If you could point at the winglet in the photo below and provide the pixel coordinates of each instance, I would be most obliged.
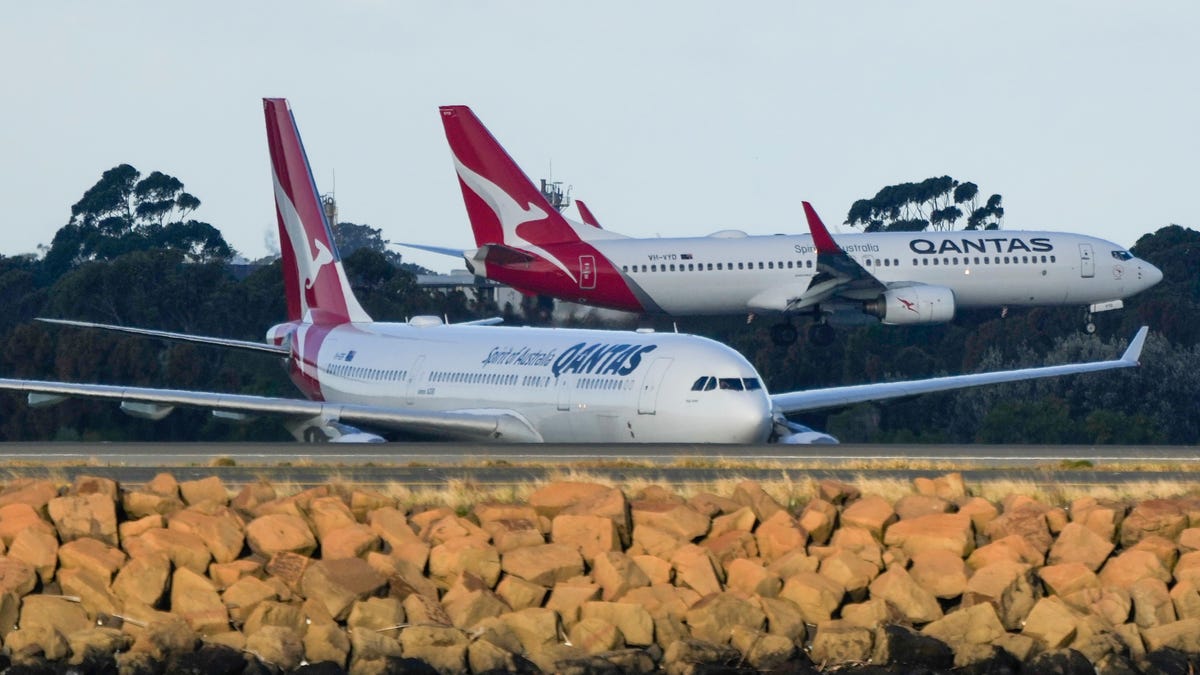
(1134, 351)
(820, 234)
(586, 214)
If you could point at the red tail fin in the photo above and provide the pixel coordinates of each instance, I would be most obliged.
(314, 279)
(504, 206)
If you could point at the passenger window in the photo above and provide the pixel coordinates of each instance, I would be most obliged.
(718, 265)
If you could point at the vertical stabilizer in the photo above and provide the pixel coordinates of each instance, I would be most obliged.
(504, 206)
(316, 284)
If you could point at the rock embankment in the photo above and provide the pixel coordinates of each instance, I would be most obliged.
(582, 577)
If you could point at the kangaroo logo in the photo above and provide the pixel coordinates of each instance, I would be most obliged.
(315, 263)
(510, 214)
(908, 304)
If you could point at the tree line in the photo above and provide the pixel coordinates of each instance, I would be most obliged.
(130, 254)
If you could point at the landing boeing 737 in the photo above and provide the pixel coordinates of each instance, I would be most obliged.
(901, 278)
(372, 381)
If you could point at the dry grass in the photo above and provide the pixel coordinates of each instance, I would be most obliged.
(462, 494)
(789, 486)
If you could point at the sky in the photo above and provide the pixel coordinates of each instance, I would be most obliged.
(671, 118)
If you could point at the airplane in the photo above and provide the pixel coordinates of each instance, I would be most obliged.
(369, 381)
(900, 278)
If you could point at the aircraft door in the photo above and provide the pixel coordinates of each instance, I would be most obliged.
(564, 392)
(1087, 261)
(648, 397)
(415, 373)
(587, 272)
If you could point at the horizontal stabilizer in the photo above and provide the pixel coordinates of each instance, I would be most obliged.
(229, 343)
(501, 255)
(440, 250)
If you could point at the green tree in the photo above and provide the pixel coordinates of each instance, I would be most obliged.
(935, 203)
(124, 212)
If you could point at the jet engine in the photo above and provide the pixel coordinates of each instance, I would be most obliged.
(919, 303)
(315, 431)
(792, 433)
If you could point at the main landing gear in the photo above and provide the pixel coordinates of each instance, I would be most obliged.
(820, 334)
(783, 334)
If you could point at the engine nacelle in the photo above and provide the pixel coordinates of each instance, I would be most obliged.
(788, 432)
(320, 431)
(919, 303)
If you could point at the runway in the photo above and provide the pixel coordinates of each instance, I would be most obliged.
(435, 464)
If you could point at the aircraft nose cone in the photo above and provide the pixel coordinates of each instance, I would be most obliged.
(1151, 274)
(747, 421)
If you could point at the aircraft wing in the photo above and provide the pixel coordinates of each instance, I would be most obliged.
(468, 424)
(815, 399)
(837, 273)
(246, 345)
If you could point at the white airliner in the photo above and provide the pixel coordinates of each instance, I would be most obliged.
(898, 277)
(369, 381)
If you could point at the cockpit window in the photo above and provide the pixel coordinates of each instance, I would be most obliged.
(709, 383)
(1122, 255)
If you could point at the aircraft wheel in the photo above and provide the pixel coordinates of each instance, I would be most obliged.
(783, 334)
(315, 435)
(1090, 327)
(821, 334)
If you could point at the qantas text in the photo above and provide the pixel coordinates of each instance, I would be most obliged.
(981, 245)
(600, 359)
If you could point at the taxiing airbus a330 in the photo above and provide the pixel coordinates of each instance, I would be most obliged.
(368, 381)
(899, 277)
